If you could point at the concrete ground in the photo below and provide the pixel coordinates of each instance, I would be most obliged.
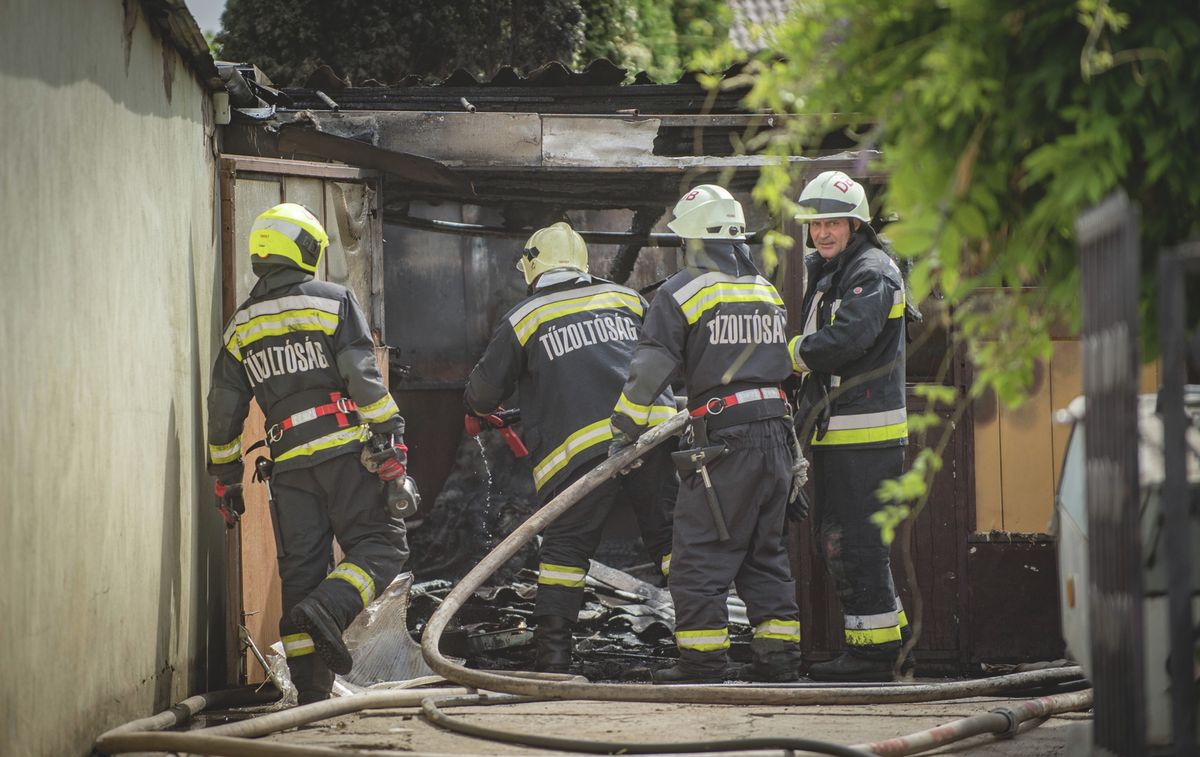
(620, 721)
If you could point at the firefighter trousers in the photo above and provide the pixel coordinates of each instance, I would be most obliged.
(751, 479)
(845, 482)
(310, 507)
(569, 543)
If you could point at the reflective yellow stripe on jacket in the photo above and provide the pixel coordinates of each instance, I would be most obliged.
(281, 316)
(225, 453)
(580, 441)
(756, 289)
(643, 415)
(329, 441)
(379, 411)
(527, 320)
(865, 428)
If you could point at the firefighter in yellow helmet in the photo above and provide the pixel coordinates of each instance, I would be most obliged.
(852, 408)
(565, 349)
(302, 349)
(719, 325)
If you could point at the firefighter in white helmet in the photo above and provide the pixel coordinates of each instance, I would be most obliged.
(302, 349)
(719, 325)
(565, 349)
(852, 408)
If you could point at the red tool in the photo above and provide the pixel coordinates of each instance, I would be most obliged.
(501, 420)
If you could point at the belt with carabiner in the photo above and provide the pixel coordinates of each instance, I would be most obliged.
(717, 405)
(339, 406)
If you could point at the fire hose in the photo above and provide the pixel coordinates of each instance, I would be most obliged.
(542, 688)
(231, 739)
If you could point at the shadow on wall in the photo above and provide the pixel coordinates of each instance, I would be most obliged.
(170, 572)
(87, 38)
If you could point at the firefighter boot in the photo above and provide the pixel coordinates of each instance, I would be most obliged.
(850, 667)
(695, 667)
(774, 661)
(312, 618)
(553, 641)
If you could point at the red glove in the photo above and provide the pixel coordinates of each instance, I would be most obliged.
(230, 503)
(396, 465)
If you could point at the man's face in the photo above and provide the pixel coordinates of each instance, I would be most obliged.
(830, 235)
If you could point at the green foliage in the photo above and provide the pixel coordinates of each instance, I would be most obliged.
(888, 520)
(998, 123)
(389, 39)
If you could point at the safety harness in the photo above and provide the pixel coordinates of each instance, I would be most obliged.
(338, 406)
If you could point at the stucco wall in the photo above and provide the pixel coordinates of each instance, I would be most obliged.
(109, 552)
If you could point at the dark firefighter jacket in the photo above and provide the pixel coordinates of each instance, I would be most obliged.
(296, 344)
(567, 348)
(718, 325)
(854, 344)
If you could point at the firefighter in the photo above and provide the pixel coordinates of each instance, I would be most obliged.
(301, 347)
(566, 348)
(719, 325)
(851, 355)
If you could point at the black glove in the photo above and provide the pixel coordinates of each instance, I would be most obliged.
(230, 503)
(620, 442)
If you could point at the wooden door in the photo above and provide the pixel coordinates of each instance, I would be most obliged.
(346, 200)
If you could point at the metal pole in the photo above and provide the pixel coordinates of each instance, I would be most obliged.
(1172, 272)
(1109, 245)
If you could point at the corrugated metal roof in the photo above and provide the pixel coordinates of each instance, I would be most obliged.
(553, 87)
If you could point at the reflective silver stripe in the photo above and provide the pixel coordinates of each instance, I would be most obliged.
(868, 420)
(833, 308)
(788, 630)
(754, 395)
(810, 323)
(689, 290)
(705, 640)
(356, 577)
(570, 294)
(870, 622)
(225, 453)
(304, 416)
(380, 410)
(279, 305)
(329, 441)
(297, 645)
(561, 575)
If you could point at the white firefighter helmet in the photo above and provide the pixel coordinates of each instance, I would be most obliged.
(288, 235)
(833, 194)
(708, 212)
(556, 246)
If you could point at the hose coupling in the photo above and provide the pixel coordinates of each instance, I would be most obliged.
(1013, 722)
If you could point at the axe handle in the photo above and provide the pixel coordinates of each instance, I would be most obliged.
(713, 505)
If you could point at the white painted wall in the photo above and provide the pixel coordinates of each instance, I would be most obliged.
(109, 552)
